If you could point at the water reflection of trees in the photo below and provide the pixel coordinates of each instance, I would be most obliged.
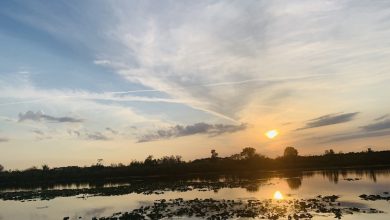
(334, 175)
(294, 183)
(254, 187)
(251, 181)
(294, 178)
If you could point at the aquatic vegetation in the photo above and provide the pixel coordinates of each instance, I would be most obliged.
(352, 179)
(375, 197)
(230, 209)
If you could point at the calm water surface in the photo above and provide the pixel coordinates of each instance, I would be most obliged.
(346, 184)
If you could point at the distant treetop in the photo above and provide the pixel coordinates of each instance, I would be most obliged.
(290, 152)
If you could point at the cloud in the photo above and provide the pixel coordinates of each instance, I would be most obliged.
(169, 49)
(41, 135)
(38, 132)
(157, 48)
(330, 119)
(351, 136)
(382, 125)
(88, 135)
(378, 129)
(97, 136)
(198, 128)
(112, 130)
(39, 116)
(240, 54)
(101, 62)
(4, 139)
(381, 117)
(74, 132)
(218, 57)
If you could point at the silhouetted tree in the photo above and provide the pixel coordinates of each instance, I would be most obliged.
(1, 168)
(45, 167)
(290, 152)
(214, 154)
(329, 152)
(248, 152)
(99, 162)
(172, 160)
(150, 161)
(32, 168)
(236, 157)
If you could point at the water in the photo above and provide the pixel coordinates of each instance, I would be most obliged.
(348, 184)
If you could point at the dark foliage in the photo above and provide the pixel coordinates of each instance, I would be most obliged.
(247, 160)
(290, 152)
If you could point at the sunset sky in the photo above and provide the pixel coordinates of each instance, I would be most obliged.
(120, 80)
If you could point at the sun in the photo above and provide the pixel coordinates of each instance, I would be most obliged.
(271, 133)
(278, 195)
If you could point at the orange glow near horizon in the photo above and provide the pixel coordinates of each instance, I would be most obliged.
(271, 134)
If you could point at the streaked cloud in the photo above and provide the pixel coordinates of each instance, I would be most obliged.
(75, 133)
(381, 117)
(330, 119)
(84, 134)
(377, 129)
(101, 62)
(198, 128)
(41, 135)
(4, 139)
(40, 116)
(38, 132)
(112, 130)
(381, 125)
(351, 136)
(98, 136)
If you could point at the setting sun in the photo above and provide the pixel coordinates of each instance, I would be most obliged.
(278, 195)
(271, 134)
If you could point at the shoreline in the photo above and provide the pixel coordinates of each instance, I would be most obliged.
(258, 174)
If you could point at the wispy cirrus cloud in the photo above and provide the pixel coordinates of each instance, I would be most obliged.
(198, 128)
(329, 119)
(40, 116)
(32, 95)
(164, 52)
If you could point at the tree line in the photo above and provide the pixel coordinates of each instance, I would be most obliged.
(246, 160)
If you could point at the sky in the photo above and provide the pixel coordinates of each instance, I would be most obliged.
(121, 80)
